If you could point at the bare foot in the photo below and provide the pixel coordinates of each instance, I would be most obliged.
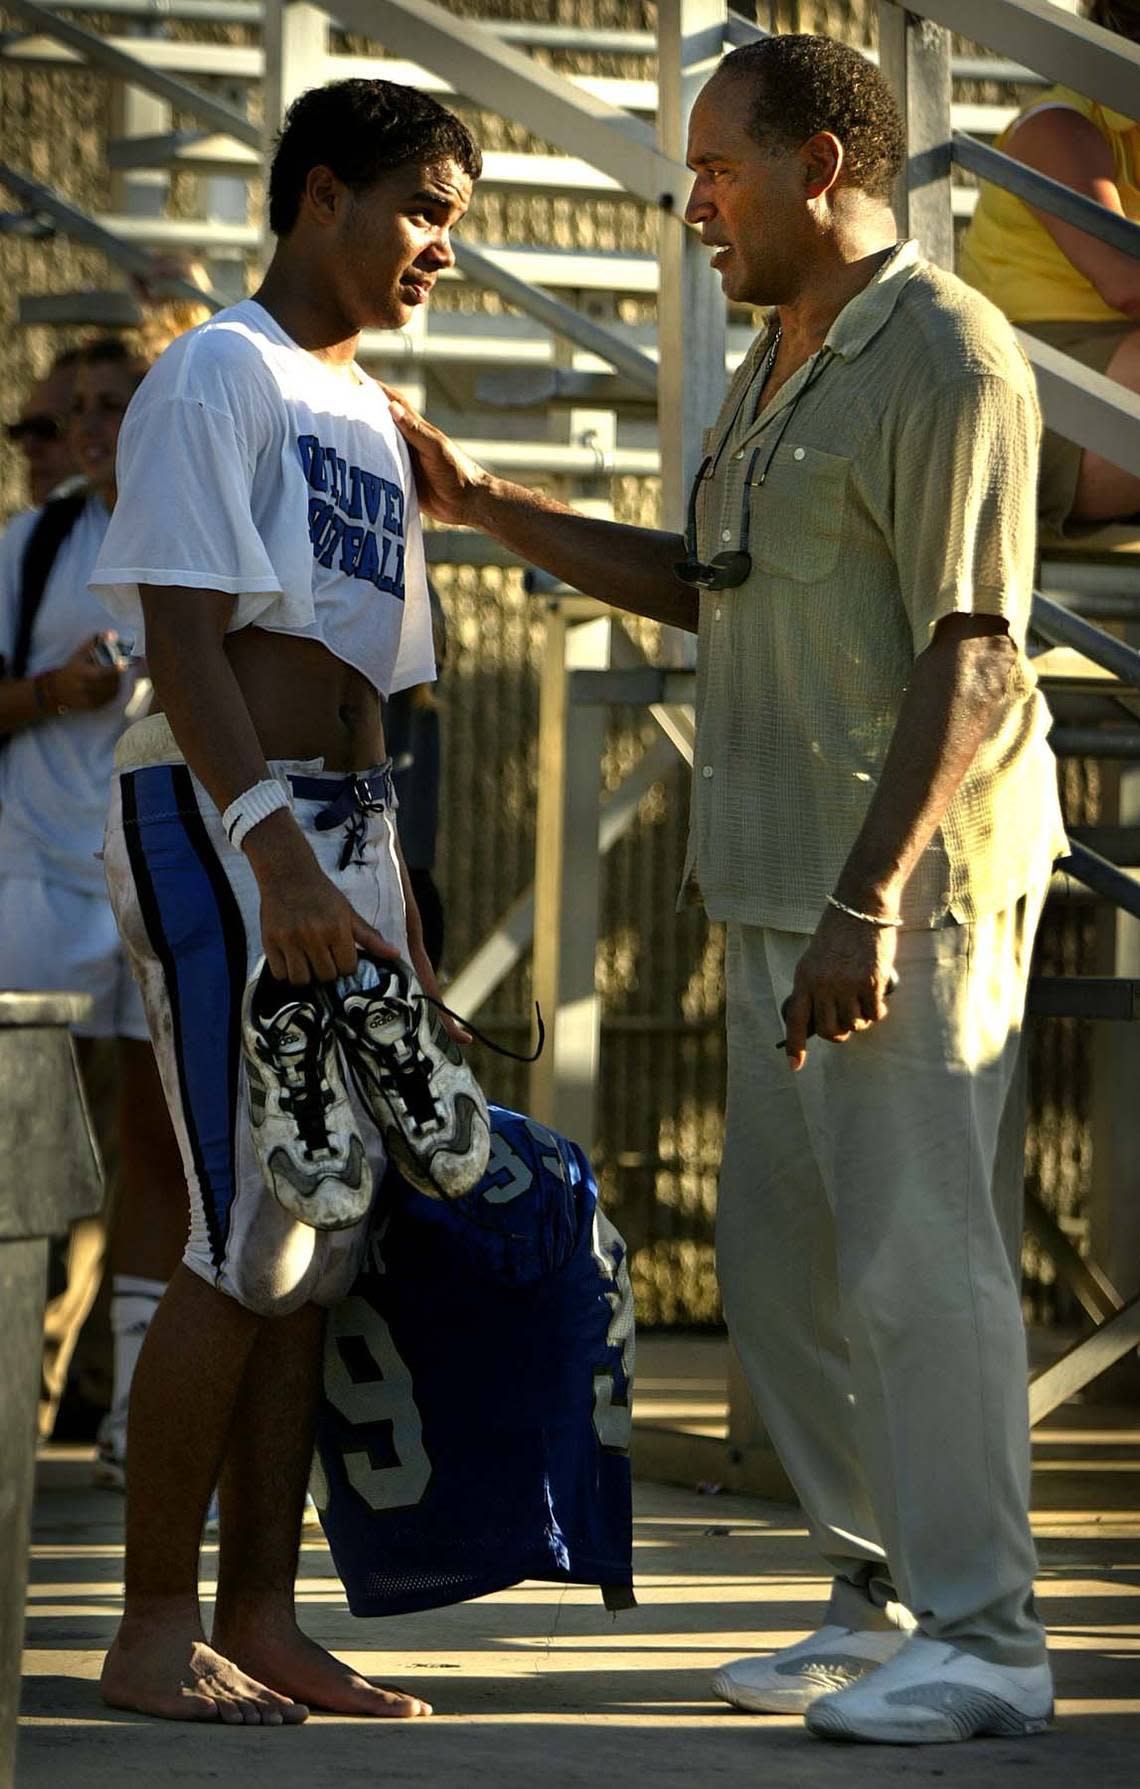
(285, 1657)
(164, 1672)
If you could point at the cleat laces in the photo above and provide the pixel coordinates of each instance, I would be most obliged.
(489, 1042)
(305, 1097)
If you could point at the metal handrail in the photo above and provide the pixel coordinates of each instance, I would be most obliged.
(1067, 49)
(41, 200)
(98, 53)
(537, 34)
(486, 271)
(1096, 742)
(1045, 194)
(1061, 627)
(1102, 877)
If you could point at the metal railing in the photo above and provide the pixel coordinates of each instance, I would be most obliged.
(591, 122)
(1095, 413)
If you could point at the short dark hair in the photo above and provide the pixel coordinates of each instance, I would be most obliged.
(361, 129)
(106, 350)
(804, 84)
(113, 350)
(123, 352)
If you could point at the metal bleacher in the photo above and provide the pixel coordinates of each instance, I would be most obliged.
(155, 74)
(558, 385)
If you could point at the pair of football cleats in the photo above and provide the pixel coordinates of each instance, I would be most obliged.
(380, 1026)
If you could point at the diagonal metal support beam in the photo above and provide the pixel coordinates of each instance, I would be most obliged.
(81, 227)
(511, 938)
(496, 75)
(1061, 627)
(1101, 876)
(1085, 1362)
(98, 53)
(1085, 1280)
(483, 269)
(197, 151)
(1102, 64)
(1045, 194)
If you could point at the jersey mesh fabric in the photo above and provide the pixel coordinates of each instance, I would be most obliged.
(898, 474)
(475, 1420)
(1007, 252)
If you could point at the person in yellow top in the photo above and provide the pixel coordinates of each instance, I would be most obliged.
(1059, 283)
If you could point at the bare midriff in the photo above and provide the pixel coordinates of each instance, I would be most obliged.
(305, 702)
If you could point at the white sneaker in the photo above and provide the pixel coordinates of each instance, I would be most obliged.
(301, 1120)
(789, 1681)
(931, 1694)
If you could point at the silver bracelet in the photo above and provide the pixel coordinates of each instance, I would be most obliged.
(251, 807)
(870, 919)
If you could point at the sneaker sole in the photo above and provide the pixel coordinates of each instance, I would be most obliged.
(333, 1204)
(789, 1701)
(447, 1172)
(979, 1717)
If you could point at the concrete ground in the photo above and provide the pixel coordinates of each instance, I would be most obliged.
(540, 1686)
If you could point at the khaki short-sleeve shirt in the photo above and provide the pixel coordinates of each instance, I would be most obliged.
(889, 483)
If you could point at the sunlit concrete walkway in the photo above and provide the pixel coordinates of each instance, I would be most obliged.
(539, 1687)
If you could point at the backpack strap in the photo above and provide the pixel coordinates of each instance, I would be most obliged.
(52, 528)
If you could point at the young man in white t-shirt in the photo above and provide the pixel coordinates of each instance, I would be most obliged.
(267, 544)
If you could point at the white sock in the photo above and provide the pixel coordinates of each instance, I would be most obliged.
(133, 1304)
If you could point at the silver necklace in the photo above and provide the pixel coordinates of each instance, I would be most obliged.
(769, 363)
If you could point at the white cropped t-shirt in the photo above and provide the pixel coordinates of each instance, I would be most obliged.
(248, 466)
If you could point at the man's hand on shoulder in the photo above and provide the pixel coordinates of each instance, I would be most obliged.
(448, 480)
(309, 931)
(841, 982)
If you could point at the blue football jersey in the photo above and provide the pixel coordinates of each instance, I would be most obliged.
(474, 1428)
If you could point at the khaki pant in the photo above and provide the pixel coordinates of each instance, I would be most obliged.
(867, 1280)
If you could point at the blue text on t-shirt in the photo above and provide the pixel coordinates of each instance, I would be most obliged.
(339, 519)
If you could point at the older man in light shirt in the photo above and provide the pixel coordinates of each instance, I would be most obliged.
(874, 808)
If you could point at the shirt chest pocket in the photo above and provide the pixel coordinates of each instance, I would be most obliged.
(796, 527)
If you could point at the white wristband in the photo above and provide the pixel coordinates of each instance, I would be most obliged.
(251, 807)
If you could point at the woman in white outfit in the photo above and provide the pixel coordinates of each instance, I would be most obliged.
(65, 697)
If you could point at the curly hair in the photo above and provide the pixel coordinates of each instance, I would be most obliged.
(361, 130)
(803, 84)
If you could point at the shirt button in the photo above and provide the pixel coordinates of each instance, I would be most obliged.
(707, 771)
(726, 534)
(739, 454)
(799, 454)
(717, 616)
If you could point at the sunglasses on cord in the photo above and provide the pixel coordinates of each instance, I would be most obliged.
(36, 428)
(727, 571)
